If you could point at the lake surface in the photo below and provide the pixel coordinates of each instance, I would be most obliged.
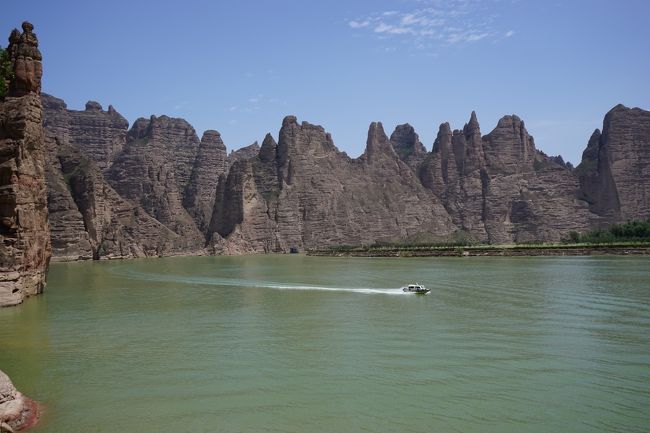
(317, 344)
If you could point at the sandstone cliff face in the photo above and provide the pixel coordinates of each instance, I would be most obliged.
(100, 134)
(615, 169)
(173, 192)
(304, 193)
(115, 226)
(154, 169)
(210, 163)
(498, 188)
(246, 152)
(70, 240)
(24, 232)
(407, 145)
(89, 218)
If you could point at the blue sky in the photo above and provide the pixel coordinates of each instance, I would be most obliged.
(241, 66)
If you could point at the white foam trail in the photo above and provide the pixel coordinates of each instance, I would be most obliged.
(363, 290)
(228, 282)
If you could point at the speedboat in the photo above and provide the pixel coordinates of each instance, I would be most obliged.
(416, 288)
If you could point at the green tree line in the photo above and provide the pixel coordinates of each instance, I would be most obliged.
(629, 231)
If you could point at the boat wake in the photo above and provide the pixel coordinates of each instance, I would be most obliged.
(362, 290)
(260, 284)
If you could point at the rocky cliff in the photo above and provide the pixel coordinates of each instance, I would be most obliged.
(154, 169)
(615, 169)
(200, 193)
(167, 192)
(303, 192)
(499, 188)
(246, 152)
(89, 218)
(24, 232)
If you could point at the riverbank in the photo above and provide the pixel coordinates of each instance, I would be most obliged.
(486, 250)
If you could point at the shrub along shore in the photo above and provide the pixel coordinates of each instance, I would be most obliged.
(488, 250)
(631, 238)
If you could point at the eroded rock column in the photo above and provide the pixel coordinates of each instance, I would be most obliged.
(24, 232)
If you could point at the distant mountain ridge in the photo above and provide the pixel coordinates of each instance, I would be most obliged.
(157, 189)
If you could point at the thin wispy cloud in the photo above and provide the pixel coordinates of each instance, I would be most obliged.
(255, 103)
(430, 23)
(358, 24)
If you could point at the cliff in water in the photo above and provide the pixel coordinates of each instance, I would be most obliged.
(302, 192)
(615, 169)
(499, 188)
(24, 232)
(160, 190)
(150, 193)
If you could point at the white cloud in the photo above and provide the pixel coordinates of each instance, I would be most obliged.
(358, 24)
(392, 30)
(436, 22)
(253, 104)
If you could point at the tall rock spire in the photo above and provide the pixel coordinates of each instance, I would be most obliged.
(24, 233)
(26, 62)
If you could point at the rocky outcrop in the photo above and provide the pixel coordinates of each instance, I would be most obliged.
(116, 227)
(101, 135)
(89, 218)
(70, 240)
(161, 191)
(246, 152)
(407, 145)
(154, 169)
(499, 188)
(615, 169)
(17, 412)
(25, 61)
(24, 232)
(304, 193)
(200, 193)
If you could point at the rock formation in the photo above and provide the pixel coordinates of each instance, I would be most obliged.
(407, 145)
(154, 169)
(305, 193)
(302, 192)
(615, 168)
(246, 152)
(499, 188)
(17, 412)
(25, 61)
(89, 218)
(24, 232)
(210, 163)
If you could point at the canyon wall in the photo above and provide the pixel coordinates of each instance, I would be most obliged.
(615, 169)
(156, 189)
(24, 232)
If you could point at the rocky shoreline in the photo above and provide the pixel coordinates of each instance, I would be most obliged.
(489, 252)
(17, 412)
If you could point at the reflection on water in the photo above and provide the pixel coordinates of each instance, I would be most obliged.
(294, 343)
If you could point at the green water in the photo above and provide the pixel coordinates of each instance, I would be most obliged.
(307, 344)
